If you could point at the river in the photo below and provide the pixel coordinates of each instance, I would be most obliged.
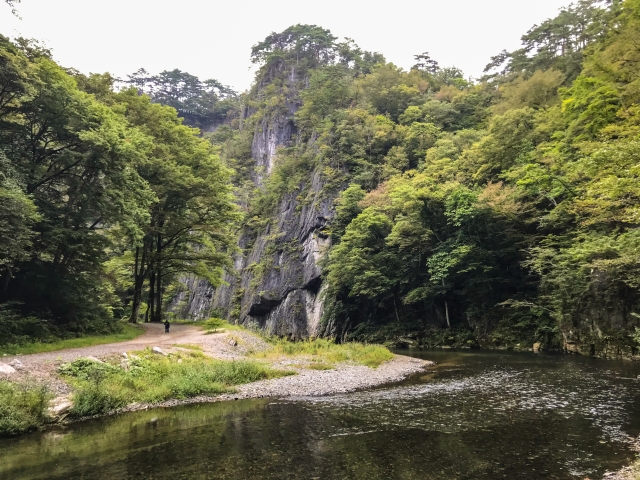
(475, 415)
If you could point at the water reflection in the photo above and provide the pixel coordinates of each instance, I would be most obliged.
(473, 416)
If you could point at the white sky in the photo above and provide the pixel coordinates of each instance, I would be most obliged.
(213, 38)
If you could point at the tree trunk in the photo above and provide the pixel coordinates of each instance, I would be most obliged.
(152, 295)
(446, 309)
(158, 274)
(6, 278)
(135, 303)
(159, 296)
(138, 282)
(396, 308)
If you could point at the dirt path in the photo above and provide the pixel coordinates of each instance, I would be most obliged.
(153, 336)
(42, 367)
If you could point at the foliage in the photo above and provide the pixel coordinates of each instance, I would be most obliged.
(504, 208)
(202, 104)
(23, 407)
(507, 206)
(152, 378)
(329, 351)
(90, 181)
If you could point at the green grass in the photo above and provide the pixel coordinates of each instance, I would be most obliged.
(329, 351)
(152, 378)
(321, 366)
(23, 407)
(188, 346)
(129, 332)
(216, 325)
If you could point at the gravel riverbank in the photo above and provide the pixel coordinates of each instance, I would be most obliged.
(231, 345)
(342, 379)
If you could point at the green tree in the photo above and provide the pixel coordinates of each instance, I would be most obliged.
(193, 215)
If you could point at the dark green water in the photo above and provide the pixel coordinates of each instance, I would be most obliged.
(474, 416)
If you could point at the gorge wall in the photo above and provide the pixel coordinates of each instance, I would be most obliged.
(276, 282)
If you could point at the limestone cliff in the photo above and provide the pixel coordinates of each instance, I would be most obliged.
(277, 280)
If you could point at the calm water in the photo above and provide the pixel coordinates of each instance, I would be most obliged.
(474, 416)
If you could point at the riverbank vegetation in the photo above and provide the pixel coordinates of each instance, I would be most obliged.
(146, 377)
(23, 407)
(327, 352)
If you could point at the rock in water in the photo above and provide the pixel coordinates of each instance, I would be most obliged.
(8, 369)
(159, 351)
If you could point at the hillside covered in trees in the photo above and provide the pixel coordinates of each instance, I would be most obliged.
(367, 202)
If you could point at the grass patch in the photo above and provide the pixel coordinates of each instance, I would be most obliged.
(188, 346)
(152, 378)
(129, 332)
(217, 325)
(329, 351)
(321, 366)
(23, 407)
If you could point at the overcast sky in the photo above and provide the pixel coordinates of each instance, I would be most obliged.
(213, 38)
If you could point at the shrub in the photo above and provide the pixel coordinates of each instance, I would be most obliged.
(151, 378)
(23, 407)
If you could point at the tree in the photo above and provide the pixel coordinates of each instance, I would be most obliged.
(192, 218)
(425, 63)
(12, 4)
(202, 104)
(75, 159)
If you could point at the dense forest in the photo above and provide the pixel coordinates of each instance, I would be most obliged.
(501, 211)
(106, 199)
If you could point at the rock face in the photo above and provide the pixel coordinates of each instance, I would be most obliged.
(277, 281)
(279, 286)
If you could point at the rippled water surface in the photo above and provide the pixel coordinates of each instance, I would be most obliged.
(473, 416)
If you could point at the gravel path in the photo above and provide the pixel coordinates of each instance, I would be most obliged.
(42, 367)
(153, 336)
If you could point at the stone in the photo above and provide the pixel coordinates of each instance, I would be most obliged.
(60, 407)
(94, 359)
(536, 347)
(159, 351)
(7, 369)
(124, 355)
(17, 364)
(233, 343)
